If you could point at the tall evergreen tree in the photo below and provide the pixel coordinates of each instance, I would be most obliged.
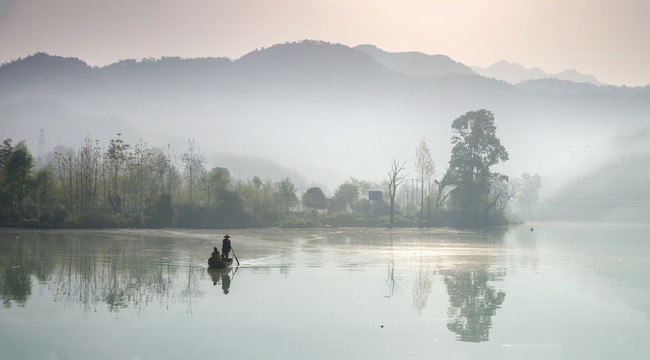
(476, 149)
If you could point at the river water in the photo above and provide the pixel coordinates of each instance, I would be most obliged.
(540, 291)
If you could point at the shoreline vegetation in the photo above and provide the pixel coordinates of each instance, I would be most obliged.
(138, 186)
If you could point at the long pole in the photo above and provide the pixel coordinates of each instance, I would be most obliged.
(233, 254)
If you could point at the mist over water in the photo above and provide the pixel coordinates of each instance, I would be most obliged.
(557, 291)
(375, 212)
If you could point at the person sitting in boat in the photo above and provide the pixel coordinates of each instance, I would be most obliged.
(215, 254)
(225, 246)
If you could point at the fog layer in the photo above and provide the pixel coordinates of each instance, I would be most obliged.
(324, 111)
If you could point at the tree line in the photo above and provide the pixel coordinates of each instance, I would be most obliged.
(123, 185)
(469, 193)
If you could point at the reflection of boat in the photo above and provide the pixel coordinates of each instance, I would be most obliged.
(219, 263)
(217, 273)
(221, 275)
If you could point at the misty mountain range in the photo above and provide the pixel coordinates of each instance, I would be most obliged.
(515, 73)
(417, 64)
(324, 111)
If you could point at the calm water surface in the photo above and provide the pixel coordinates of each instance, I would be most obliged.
(561, 291)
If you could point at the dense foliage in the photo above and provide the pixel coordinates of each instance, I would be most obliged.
(126, 185)
(133, 186)
(479, 193)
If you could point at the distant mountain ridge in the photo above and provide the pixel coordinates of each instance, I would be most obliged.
(514, 73)
(327, 110)
(416, 64)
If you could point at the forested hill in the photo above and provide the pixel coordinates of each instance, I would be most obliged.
(617, 192)
(327, 110)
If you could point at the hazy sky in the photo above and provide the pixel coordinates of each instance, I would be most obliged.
(607, 38)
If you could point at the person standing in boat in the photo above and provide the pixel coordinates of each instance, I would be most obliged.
(225, 283)
(225, 246)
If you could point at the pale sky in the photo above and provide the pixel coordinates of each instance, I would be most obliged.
(606, 38)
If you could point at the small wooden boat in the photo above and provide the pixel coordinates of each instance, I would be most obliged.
(219, 263)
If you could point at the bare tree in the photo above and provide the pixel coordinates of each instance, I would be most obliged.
(160, 165)
(193, 161)
(501, 194)
(117, 156)
(425, 169)
(171, 167)
(396, 176)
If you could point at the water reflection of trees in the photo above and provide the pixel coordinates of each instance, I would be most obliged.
(19, 263)
(423, 287)
(88, 272)
(465, 266)
(469, 276)
(472, 303)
